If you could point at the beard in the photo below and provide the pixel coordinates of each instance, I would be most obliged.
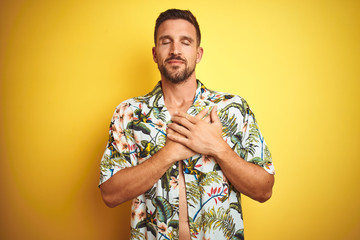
(175, 75)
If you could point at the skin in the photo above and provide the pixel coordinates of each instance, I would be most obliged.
(176, 51)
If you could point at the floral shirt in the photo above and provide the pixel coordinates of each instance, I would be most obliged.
(138, 131)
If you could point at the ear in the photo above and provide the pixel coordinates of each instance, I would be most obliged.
(154, 54)
(199, 54)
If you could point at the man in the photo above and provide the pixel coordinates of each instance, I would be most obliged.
(184, 153)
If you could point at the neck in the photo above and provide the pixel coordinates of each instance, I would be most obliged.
(179, 95)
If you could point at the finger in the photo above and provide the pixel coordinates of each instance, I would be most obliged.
(207, 119)
(179, 129)
(170, 132)
(186, 116)
(214, 116)
(201, 114)
(183, 122)
(177, 138)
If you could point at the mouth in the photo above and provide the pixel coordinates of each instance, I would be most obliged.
(175, 61)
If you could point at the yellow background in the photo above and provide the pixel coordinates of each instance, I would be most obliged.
(66, 65)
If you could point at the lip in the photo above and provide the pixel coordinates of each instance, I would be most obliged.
(175, 61)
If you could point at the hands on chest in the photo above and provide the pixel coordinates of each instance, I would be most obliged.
(199, 134)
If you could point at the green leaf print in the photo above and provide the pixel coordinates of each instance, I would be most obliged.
(253, 139)
(149, 222)
(239, 235)
(267, 155)
(174, 224)
(241, 107)
(150, 227)
(193, 193)
(229, 123)
(258, 161)
(209, 179)
(195, 189)
(136, 234)
(220, 219)
(147, 148)
(139, 127)
(163, 207)
(237, 206)
(216, 167)
(166, 178)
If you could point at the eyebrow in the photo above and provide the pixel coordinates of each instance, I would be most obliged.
(164, 37)
(190, 39)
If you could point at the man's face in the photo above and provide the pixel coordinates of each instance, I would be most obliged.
(176, 51)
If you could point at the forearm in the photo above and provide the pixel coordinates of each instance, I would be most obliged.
(131, 182)
(248, 178)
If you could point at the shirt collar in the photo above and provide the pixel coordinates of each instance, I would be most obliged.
(156, 97)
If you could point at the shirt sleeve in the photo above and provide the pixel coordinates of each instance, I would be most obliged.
(256, 150)
(120, 143)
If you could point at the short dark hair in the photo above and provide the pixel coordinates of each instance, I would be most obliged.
(178, 14)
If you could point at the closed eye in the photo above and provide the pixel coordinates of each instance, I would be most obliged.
(186, 42)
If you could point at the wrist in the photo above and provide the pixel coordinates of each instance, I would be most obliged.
(221, 148)
(167, 154)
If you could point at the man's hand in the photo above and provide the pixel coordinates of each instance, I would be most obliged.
(177, 150)
(203, 136)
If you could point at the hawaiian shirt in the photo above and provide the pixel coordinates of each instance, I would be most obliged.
(138, 130)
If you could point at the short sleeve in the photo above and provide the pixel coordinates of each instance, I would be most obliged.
(117, 154)
(256, 150)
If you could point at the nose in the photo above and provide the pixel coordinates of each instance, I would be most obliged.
(175, 49)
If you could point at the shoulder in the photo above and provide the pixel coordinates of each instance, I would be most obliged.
(150, 99)
(134, 102)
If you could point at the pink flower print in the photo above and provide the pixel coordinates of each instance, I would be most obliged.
(174, 182)
(133, 214)
(206, 160)
(160, 124)
(129, 115)
(141, 215)
(117, 113)
(117, 133)
(121, 118)
(135, 203)
(162, 228)
(124, 106)
(123, 146)
(136, 138)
